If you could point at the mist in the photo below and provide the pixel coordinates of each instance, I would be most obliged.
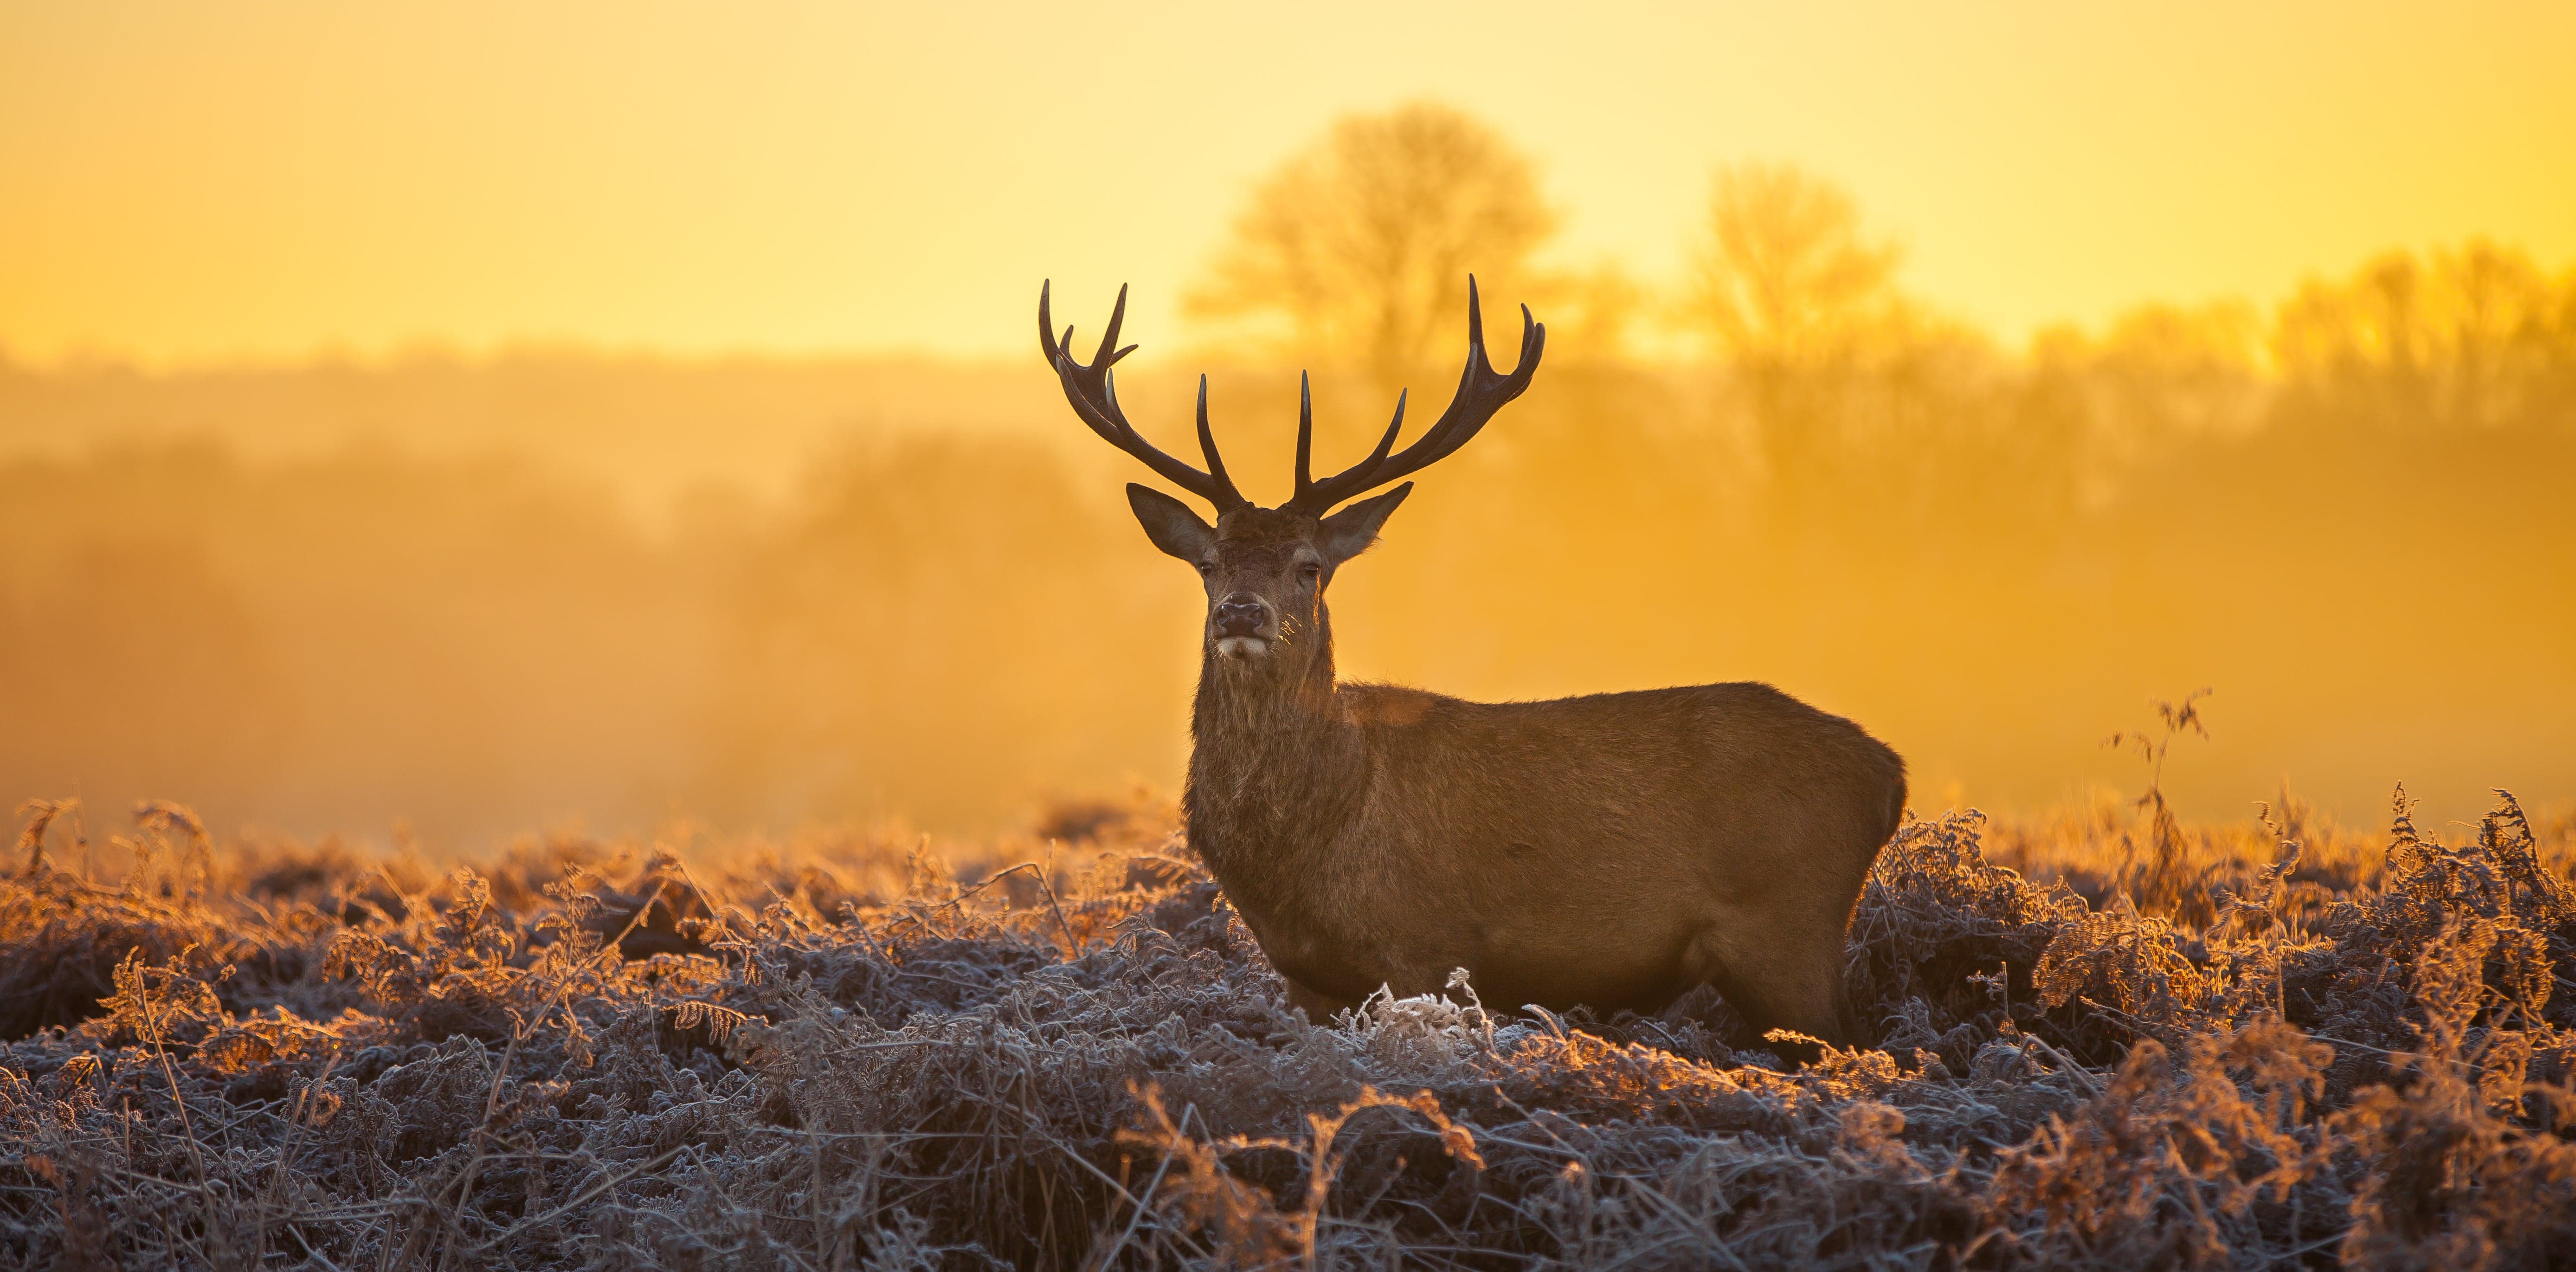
(451, 597)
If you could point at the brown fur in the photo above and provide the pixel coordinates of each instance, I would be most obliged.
(1608, 851)
(1611, 851)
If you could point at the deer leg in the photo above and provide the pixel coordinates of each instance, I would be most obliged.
(1778, 982)
(1319, 1007)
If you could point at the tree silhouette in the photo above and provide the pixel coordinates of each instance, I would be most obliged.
(1806, 313)
(2477, 336)
(1356, 250)
(1782, 275)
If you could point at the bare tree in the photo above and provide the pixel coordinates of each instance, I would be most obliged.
(1356, 250)
(1806, 312)
(2478, 336)
(1783, 277)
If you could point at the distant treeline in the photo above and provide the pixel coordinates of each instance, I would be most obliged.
(482, 595)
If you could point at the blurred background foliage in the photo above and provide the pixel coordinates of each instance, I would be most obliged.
(556, 585)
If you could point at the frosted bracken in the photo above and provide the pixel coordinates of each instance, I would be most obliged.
(836, 1054)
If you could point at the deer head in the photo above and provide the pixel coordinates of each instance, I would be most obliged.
(1265, 569)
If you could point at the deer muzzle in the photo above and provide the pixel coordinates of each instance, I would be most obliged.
(1241, 627)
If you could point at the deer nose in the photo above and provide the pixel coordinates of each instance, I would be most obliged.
(1238, 616)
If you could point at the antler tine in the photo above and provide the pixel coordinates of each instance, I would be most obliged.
(1305, 433)
(1103, 358)
(1454, 429)
(1475, 327)
(1046, 324)
(1481, 392)
(1093, 392)
(1310, 495)
(1207, 447)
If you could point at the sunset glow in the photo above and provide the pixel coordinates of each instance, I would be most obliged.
(182, 183)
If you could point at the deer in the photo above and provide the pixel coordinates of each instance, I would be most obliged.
(1611, 851)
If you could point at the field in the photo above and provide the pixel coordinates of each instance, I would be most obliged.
(2108, 1039)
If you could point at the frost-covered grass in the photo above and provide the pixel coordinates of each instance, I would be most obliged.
(2250, 1047)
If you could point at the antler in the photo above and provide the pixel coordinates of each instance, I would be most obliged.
(1095, 398)
(1481, 392)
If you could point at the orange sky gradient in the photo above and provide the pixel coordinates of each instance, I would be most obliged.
(185, 183)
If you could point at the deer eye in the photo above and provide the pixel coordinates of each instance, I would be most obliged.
(1310, 571)
(1206, 568)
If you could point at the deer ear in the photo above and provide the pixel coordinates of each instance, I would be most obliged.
(1170, 523)
(1348, 533)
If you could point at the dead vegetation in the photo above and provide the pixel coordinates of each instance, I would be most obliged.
(2288, 1044)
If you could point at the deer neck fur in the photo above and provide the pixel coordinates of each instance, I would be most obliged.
(1277, 770)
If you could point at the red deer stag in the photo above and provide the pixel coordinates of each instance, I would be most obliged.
(1613, 850)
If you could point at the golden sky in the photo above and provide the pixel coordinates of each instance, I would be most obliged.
(182, 182)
